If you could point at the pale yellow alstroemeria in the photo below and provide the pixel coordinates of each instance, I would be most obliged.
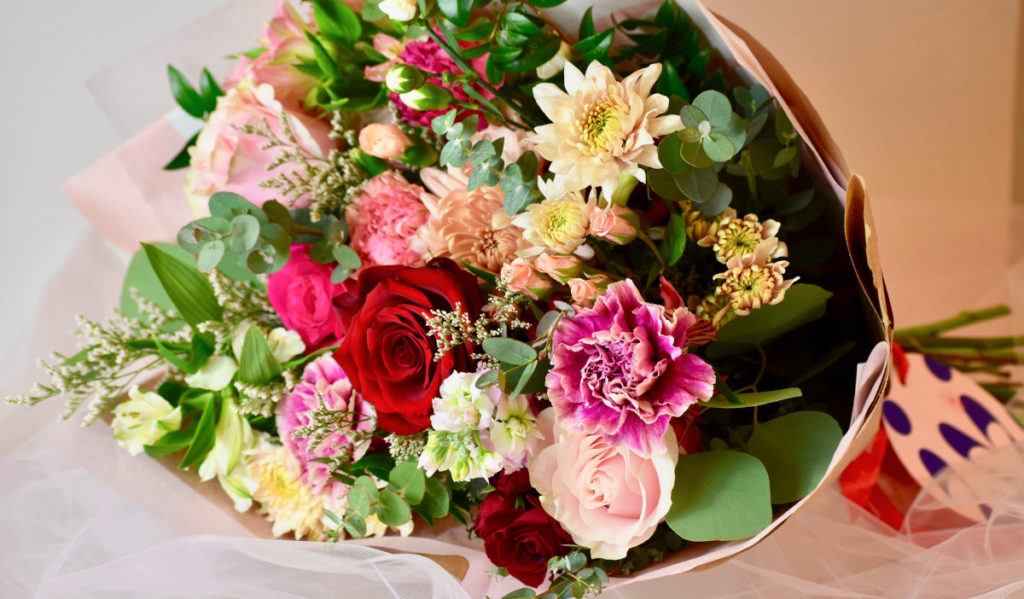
(143, 419)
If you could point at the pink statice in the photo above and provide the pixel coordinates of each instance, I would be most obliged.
(383, 218)
(432, 59)
(323, 381)
(621, 369)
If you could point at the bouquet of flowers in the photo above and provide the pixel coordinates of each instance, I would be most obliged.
(582, 291)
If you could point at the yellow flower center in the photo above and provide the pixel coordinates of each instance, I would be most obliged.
(738, 238)
(599, 125)
(563, 220)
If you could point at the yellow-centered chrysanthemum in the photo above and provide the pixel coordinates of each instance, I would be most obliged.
(558, 224)
(737, 237)
(283, 498)
(753, 281)
(601, 127)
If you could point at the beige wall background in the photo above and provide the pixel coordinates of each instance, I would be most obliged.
(923, 99)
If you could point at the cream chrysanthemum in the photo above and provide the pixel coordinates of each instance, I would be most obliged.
(557, 224)
(466, 225)
(286, 502)
(702, 229)
(601, 127)
(753, 281)
(737, 237)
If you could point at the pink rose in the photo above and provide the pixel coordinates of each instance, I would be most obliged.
(585, 291)
(559, 268)
(284, 45)
(303, 296)
(523, 278)
(383, 218)
(383, 140)
(607, 497)
(616, 224)
(225, 159)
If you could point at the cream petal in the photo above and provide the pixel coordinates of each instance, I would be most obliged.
(642, 81)
(574, 80)
(552, 101)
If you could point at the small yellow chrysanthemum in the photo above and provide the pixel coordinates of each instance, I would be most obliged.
(601, 127)
(752, 281)
(556, 224)
(704, 230)
(737, 237)
(282, 496)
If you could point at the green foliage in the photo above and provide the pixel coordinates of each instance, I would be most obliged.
(407, 490)
(189, 291)
(749, 400)
(257, 365)
(803, 303)
(796, 449)
(719, 496)
(509, 351)
(198, 104)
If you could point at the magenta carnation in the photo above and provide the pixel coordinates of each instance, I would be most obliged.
(621, 369)
(432, 59)
(324, 380)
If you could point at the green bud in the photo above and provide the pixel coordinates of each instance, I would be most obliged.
(428, 97)
(404, 78)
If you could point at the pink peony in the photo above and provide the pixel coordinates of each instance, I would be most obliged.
(431, 58)
(225, 159)
(284, 45)
(323, 380)
(608, 497)
(621, 369)
(383, 218)
(303, 296)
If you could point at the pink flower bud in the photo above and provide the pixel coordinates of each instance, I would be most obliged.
(584, 291)
(616, 224)
(523, 278)
(559, 268)
(383, 140)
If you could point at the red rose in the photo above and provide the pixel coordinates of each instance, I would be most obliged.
(303, 296)
(386, 351)
(518, 534)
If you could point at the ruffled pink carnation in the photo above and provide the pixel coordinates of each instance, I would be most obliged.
(621, 369)
(323, 379)
(383, 219)
(431, 58)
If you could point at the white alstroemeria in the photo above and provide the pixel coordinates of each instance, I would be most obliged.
(462, 405)
(232, 437)
(214, 375)
(514, 431)
(284, 344)
(143, 419)
(399, 10)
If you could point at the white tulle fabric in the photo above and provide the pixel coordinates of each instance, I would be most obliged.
(80, 518)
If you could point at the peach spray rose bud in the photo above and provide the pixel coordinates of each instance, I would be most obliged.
(559, 268)
(523, 278)
(585, 291)
(616, 224)
(383, 140)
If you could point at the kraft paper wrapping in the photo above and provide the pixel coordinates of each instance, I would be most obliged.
(129, 199)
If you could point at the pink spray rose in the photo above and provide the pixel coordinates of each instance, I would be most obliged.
(608, 497)
(303, 296)
(323, 380)
(284, 45)
(225, 159)
(383, 140)
(383, 218)
(615, 223)
(523, 278)
(559, 268)
(621, 369)
(584, 291)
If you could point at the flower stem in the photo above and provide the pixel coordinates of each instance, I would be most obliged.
(960, 320)
(654, 248)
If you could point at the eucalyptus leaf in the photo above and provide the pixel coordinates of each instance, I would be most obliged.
(393, 510)
(435, 502)
(796, 449)
(245, 230)
(719, 496)
(510, 351)
(410, 482)
(718, 147)
(210, 255)
(716, 106)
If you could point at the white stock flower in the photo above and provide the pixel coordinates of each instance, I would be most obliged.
(462, 405)
(514, 432)
(143, 419)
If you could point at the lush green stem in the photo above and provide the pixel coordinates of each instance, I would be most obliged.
(960, 320)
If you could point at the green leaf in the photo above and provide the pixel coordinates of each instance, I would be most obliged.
(410, 482)
(187, 288)
(245, 230)
(436, 500)
(476, 33)
(546, 3)
(372, 12)
(698, 184)
(670, 84)
(257, 364)
(393, 510)
(595, 46)
(525, 374)
(324, 60)
(716, 106)
(209, 90)
(675, 238)
(785, 156)
(510, 351)
(182, 159)
(668, 154)
(587, 28)
(718, 147)
(140, 276)
(456, 11)
(538, 50)
(184, 94)
(172, 442)
(719, 496)
(205, 436)
(796, 449)
(347, 257)
(748, 400)
(337, 21)
(523, 593)
(803, 303)
(228, 205)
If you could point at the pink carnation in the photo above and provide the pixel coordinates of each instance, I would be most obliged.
(431, 58)
(323, 379)
(621, 369)
(383, 219)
